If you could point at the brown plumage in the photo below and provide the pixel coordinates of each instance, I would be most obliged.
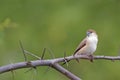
(82, 44)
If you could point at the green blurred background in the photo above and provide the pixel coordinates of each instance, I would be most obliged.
(59, 25)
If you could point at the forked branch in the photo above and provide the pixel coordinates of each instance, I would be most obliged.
(54, 63)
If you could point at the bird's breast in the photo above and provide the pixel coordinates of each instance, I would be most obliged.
(92, 44)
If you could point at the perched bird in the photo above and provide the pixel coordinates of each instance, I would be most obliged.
(88, 45)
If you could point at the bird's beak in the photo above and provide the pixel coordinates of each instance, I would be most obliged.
(88, 33)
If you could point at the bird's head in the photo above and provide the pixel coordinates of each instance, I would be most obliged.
(91, 32)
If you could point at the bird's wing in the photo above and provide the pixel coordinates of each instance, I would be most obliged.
(82, 44)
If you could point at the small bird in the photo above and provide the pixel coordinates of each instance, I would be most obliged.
(88, 45)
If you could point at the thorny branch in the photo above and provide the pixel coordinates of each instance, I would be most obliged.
(54, 63)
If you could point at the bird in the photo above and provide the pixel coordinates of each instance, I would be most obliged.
(88, 45)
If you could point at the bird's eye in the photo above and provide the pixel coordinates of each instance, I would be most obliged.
(90, 32)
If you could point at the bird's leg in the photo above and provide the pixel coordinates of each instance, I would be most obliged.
(91, 57)
(76, 59)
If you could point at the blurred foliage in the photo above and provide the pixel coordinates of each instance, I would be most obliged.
(59, 25)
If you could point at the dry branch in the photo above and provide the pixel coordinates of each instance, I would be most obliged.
(53, 63)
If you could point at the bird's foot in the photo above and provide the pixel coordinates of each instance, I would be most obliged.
(91, 57)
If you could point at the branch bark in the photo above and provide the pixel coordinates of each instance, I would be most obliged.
(54, 64)
(65, 72)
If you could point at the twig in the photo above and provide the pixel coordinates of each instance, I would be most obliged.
(32, 54)
(21, 46)
(43, 53)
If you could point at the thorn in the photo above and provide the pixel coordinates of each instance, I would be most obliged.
(43, 53)
(21, 46)
(12, 68)
(35, 68)
(51, 53)
(13, 76)
(28, 70)
(112, 60)
(32, 54)
(35, 73)
(76, 59)
(66, 61)
(47, 69)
